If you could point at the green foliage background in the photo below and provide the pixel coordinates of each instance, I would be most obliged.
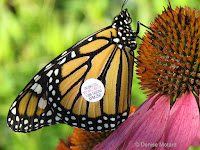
(34, 32)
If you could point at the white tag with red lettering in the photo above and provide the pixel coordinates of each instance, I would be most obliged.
(92, 90)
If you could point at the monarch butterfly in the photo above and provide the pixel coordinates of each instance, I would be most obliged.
(99, 66)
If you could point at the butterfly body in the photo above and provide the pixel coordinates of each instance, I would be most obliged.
(54, 95)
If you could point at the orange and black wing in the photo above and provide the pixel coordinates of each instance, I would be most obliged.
(54, 95)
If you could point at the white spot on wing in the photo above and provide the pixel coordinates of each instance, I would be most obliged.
(54, 105)
(120, 46)
(50, 99)
(11, 122)
(60, 109)
(119, 33)
(106, 125)
(17, 118)
(73, 54)
(125, 22)
(64, 53)
(66, 119)
(13, 111)
(124, 114)
(49, 73)
(42, 103)
(62, 61)
(99, 128)
(53, 92)
(38, 89)
(9, 119)
(48, 66)
(134, 42)
(13, 105)
(50, 79)
(56, 72)
(34, 86)
(124, 38)
(89, 122)
(49, 121)
(112, 119)
(36, 120)
(91, 128)
(112, 125)
(90, 39)
(57, 81)
(73, 118)
(74, 123)
(114, 26)
(99, 121)
(57, 118)
(37, 77)
(82, 125)
(25, 121)
(42, 121)
(50, 87)
(116, 40)
(105, 118)
(49, 113)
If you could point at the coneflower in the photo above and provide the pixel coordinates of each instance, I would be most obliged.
(168, 68)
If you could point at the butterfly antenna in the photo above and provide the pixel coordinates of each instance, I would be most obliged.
(123, 4)
(138, 29)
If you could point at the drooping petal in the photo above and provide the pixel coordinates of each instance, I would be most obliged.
(117, 138)
(183, 123)
(196, 141)
(149, 128)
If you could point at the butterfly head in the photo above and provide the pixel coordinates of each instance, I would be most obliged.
(125, 33)
(122, 19)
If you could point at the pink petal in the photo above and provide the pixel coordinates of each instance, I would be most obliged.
(149, 128)
(120, 135)
(196, 141)
(183, 123)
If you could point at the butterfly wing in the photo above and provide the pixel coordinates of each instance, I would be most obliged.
(103, 60)
(31, 109)
(54, 94)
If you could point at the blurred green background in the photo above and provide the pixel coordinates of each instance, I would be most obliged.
(34, 32)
